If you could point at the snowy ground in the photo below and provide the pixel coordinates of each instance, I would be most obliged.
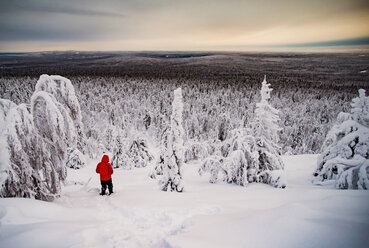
(206, 215)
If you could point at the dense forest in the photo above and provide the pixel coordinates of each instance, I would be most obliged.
(129, 95)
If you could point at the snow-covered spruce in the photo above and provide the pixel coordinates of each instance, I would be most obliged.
(266, 129)
(52, 126)
(235, 167)
(120, 158)
(137, 155)
(35, 165)
(75, 159)
(159, 164)
(266, 119)
(251, 154)
(17, 132)
(237, 161)
(173, 160)
(5, 105)
(196, 151)
(345, 157)
(212, 165)
(34, 142)
(62, 90)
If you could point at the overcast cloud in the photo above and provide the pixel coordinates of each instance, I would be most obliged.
(176, 24)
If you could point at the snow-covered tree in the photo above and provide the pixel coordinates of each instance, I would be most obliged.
(75, 159)
(212, 165)
(62, 90)
(237, 162)
(235, 168)
(5, 105)
(139, 153)
(360, 108)
(109, 137)
(251, 154)
(196, 151)
(33, 144)
(173, 161)
(159, 165)
(35, 166)
(51, 125)
(160, 160)
(223, 127)
(131, 153)
(16, 165)
(265, 131)
(119, 158)
(345, 156)
(266, 117)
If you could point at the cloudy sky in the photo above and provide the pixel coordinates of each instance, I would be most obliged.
(41, 25)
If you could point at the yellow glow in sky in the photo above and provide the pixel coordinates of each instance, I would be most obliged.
(42, 25)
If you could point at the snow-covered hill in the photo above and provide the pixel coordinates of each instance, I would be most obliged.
(138, 214)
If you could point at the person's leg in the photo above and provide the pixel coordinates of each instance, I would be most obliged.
(110, 185)
(103, 187)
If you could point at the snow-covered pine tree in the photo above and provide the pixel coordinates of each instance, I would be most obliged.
(212, 165)
(251, 155)
(120, 158)
(265, 129)
(51, 124)
(360, 108)
(238, 160)
(62, 90)
(159, 163)
(139, 153)
(75, 160)
(34, 141)
(266, 120)
(17, 133)
(345, 157)
(235, 168)
(5, 105)
(196, 151)
(223, 127)
(173, 161)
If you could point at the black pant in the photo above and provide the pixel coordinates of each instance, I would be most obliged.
(109, 183)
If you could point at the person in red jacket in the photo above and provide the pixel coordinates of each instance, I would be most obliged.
(105, 170)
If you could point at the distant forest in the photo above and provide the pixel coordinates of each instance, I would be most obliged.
(130, 94)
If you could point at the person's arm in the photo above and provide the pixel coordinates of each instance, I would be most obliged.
(110, 169)
(98, 168)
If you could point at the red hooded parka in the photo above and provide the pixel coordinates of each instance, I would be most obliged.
(104, 168)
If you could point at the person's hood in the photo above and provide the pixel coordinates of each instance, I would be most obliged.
(105, 158)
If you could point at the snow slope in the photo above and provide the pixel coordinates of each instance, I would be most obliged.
(138, 214)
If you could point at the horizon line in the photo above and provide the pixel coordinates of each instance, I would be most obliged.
(337, 46)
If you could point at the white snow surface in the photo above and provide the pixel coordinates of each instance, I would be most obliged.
(139, 214)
